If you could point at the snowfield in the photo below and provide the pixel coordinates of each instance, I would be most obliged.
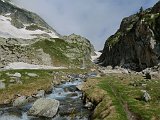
(95, 58)
(22, 65)
(7, 30)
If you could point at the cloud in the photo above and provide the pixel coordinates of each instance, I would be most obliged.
(93, 19)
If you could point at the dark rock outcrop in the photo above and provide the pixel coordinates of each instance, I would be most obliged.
(136, 45)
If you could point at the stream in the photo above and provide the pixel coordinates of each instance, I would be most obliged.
(71, 105)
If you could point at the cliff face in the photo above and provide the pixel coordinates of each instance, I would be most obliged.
(136, 44)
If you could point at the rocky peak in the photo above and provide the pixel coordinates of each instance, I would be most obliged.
(20, 23)
(136, 44)
(73, 38)
(156, 8)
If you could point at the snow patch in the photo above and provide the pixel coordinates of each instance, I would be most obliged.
(7, 30)
(22, 65)
(95, 57)
(7, 14)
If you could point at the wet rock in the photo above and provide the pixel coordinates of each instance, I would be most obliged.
(72, 95)
(79, 87)
(89, 105)
(44, 107)
(20, 101)
(70, 89)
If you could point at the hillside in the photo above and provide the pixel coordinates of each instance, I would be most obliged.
(136, 44)
(27, 38)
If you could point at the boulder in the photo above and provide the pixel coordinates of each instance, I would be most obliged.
(32, 75)
(146, 96)
(40, 93)
(2, 84)
(79, 87)
(89, 105)
(44, 108)
(17, 75)
(20, 101)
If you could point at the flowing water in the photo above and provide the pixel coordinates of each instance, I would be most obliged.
(71, 105)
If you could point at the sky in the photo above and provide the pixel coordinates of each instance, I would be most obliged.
(94, 19)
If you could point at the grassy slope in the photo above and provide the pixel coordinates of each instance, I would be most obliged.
(54, 49)
(119, 93)
(58, 48)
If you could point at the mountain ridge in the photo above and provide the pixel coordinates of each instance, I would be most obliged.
(27, 38)
(136, 43)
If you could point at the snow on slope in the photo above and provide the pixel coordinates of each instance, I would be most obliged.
(7, 30)
(94, 58)
(22, 65)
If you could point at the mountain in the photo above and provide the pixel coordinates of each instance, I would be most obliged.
(136, 44)
(27, 38)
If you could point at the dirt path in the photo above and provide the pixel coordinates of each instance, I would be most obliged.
(130, 115)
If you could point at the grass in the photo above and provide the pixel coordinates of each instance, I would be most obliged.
(31, 84)
(119, 92)
(54, 48)
(59, 50)
(114, 39)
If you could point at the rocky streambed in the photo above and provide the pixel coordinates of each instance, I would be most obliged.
(69, 103)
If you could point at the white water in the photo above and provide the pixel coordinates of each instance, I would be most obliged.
(58, 93)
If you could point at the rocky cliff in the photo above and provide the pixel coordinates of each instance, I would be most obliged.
(136, 44)
(25, 37)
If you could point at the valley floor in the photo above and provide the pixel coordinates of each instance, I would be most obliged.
(121, 97)
(114, 96)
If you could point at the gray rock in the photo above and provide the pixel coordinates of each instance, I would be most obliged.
(79, 87)
(89, 105)
(20, 101)
(109, 68)
(74, 94)
(44, 107)
(146, 97)
(32, 75)
(1, 65)
(17, 75)
(12, 81)
(40, 94)
(2, 84)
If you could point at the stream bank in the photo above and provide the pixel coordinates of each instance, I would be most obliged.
(70, 98)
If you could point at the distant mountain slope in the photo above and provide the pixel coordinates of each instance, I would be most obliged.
(25, 37)
(19, 23)
(136, 45)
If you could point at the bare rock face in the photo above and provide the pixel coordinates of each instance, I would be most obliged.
(136, 45)
(44, 108)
